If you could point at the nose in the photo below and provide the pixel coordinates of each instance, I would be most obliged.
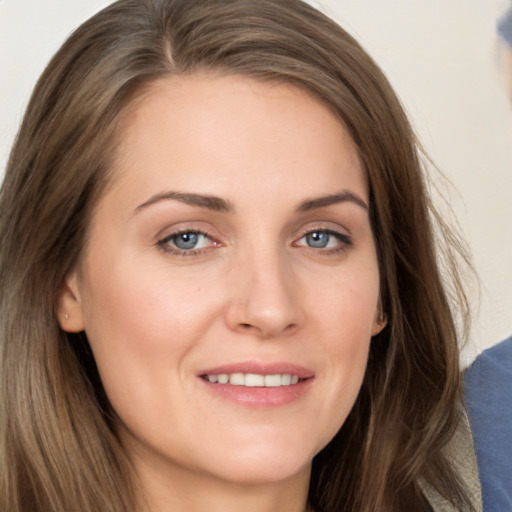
(266, 299)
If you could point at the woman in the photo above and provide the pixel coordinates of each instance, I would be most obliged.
(222, 288)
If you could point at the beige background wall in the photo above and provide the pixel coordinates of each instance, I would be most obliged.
(441, 57)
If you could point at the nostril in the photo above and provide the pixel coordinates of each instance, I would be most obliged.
(290, 327)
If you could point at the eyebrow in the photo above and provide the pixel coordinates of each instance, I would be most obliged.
(328, 200)
(217, 204)
(207, 202)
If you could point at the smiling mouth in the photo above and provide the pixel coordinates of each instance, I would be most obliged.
(253, 379)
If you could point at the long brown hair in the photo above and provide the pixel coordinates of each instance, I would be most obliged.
(58, 449)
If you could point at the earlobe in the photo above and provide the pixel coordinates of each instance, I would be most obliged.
(69, 305)
(380, 321)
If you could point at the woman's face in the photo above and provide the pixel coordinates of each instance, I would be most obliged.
(229, 288)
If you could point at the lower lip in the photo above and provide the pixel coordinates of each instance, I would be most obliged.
(260, 396)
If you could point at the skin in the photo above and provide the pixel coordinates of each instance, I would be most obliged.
(254, 289)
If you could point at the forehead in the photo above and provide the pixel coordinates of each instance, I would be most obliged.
(228, 127)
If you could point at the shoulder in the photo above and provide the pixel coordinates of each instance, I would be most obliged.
(488, 393)
(488, 382)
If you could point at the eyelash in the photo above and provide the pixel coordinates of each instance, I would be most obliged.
(344, 240)
(164, 243)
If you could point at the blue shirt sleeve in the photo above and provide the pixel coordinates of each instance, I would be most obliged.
(488, 393)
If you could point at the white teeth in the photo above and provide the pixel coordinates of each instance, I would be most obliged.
(254, 379)
(286, 380)
(272, 381)
(237, 379)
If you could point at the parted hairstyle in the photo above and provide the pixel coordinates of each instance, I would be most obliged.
(59, 450)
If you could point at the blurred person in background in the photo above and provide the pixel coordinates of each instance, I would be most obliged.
(505, 38)
(488, 382)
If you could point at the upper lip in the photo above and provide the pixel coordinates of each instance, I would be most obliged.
(259, 368)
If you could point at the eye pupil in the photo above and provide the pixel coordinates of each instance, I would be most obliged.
(317, 239)
(186, 240)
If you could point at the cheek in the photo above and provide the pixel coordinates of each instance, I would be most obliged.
(141, 325)
(346, 316)
(348, 305)
(143, 303)
(140, 321)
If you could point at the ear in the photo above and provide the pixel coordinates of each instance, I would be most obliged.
(69, 305)
(380, 321)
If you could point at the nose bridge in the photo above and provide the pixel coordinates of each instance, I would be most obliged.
(265, 301)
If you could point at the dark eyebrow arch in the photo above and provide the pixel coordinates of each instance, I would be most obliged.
(328, 200)
(207, 202)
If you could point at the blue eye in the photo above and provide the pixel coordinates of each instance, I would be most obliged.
(318, 239)
(186, 241)
(324, 239)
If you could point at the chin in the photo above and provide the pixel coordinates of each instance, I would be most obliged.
(273, 470)
(263, 463)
